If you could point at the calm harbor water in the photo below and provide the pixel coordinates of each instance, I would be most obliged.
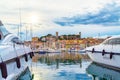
(64, 72)
(56, 66)
(86, 70)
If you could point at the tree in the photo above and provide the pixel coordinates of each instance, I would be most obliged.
(49, 35)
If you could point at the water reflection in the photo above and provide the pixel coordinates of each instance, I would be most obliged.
(66, 58)
(25, 75)
(64, 72)
(63, 66)
(102, 73)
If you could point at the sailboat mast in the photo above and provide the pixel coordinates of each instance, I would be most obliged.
(31, 31)
(26, 33)
(18, 30)
(20, 23)
(19, 26)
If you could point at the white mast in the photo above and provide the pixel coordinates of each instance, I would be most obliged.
(19, 27)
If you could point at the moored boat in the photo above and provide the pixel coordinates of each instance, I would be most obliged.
(14, 55)
(106, 53)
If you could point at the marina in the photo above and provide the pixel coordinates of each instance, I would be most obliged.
(46, 63)
(60, 40)
(51, 69)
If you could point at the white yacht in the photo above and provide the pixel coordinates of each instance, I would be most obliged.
(14, 55)
(106, 53)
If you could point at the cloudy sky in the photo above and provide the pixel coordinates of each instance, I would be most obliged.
(91, 17)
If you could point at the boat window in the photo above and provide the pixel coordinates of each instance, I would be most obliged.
(16, 40)
(3, 30)
(117, 41)
(113, 41)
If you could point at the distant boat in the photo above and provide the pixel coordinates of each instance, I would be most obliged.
(49, 50)
(44, 51)
(107, 53)
(72, 50)
(14, 55)
(83, 51)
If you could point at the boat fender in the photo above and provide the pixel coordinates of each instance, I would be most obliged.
(30, 54)
(93, 50)
(111, 55)
(3, 70)
(18, 62)
(103, 52)
(26, 57)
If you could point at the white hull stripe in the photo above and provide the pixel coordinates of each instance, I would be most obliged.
(114, 53)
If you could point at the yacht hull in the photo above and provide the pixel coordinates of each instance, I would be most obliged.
(14, 55)
(105, 59)
(13, 71)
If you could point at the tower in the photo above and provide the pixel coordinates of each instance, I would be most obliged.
(80, 34)
(57, 44)
(56, 35)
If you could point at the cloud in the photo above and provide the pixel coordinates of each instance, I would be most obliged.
(48, 9)
(87, 16)
(108, 16)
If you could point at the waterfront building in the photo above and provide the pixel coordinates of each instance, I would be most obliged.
(35, 39)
